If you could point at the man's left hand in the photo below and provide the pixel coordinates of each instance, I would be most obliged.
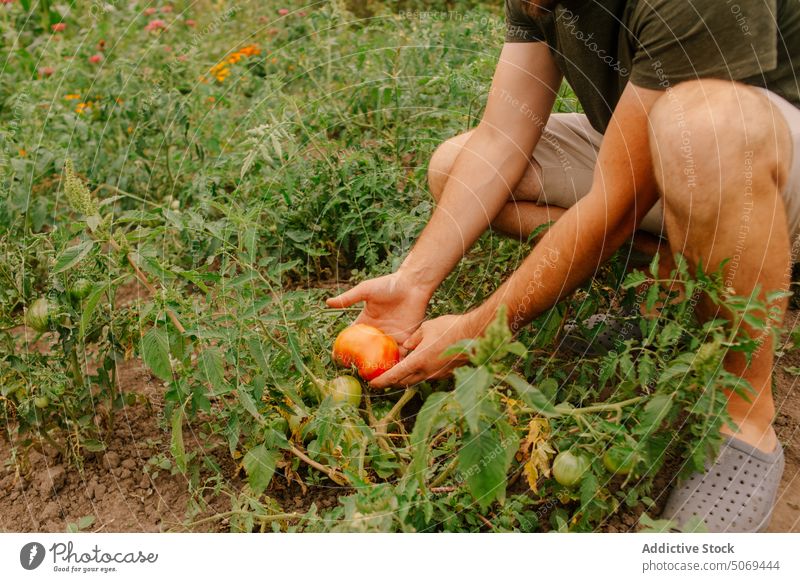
(425, 361)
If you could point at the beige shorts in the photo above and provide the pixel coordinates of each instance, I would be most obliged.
(567, 154)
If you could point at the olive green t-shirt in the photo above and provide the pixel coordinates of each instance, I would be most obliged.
(600, 45)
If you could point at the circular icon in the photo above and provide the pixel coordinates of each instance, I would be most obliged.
(31, 555)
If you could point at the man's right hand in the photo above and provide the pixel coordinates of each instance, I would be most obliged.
(392, 303)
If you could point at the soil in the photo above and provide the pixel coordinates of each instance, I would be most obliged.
(125, 493)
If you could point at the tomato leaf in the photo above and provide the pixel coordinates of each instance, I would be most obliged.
(654, 413)
(259, 463)
(211, 368)
(471, 385)
(72, 256)
(90, 306)
(533, 397)
(426, 419)
(176, 444)
(249, 404)
(482, 462)
(155, 353)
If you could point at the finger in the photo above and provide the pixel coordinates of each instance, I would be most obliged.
(349, 297)
(395, 375)
(414, 340)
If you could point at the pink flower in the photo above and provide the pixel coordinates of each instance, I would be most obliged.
(150, 11)
(59, 27)
(273, 31)
(283, 11)
(46, 71)
(94, 59)
(190, 23)
(156, 24)
(166, 9)
(6, 1)
(302, 13)
(167, 48)
(182, 58)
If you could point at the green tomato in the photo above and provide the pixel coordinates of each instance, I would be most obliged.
(296, 420)
(80, 289)
(38, 315)
(569, 468)
(619, 460)
(345, 390)
(41, 402)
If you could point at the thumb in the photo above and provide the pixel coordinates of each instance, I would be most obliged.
(349, 297)
(414, 340)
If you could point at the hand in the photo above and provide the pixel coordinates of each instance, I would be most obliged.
(392, 304)
(424, 362)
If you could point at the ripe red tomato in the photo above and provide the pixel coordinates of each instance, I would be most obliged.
(368, 348)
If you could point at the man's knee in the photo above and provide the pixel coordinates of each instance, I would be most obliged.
(707, 136)
(442, 161)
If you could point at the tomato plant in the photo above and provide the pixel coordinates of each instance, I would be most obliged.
(156, 225)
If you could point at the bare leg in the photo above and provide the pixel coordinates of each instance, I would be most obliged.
(730, 206)
(523, 214)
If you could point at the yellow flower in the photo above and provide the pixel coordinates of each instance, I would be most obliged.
(82, 107)
(72, 97)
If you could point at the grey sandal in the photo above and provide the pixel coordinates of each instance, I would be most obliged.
(600, 333)
(736, 494)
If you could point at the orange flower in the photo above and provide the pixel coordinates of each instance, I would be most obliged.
(72, 96)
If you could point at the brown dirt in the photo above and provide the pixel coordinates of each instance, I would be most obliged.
(126, 494)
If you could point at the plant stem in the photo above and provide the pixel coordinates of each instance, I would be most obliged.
(76, 368)
(143, 279)
(442, 477)
(564, 411)
(262, 517)
(380, 428)
(334, 475)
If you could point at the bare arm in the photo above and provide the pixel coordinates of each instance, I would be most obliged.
(492, 162)
(487, 170)
(623, 191)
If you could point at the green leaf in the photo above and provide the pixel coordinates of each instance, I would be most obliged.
(482, 462)
(176, 444)
(155, 353)
(533, 397)
(93, 445)
(471, 385)
(90, 306)
(249, 404)
(654, 413)
(423, 426)
(259, 463)
(211, 368)
(72, 256)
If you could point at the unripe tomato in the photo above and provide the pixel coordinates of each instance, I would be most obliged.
(345, 389)
(38, 315)
(368, 348)
(619, 461)
(568, 468)
(80, 289)
(41, 402)
(295, 420)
